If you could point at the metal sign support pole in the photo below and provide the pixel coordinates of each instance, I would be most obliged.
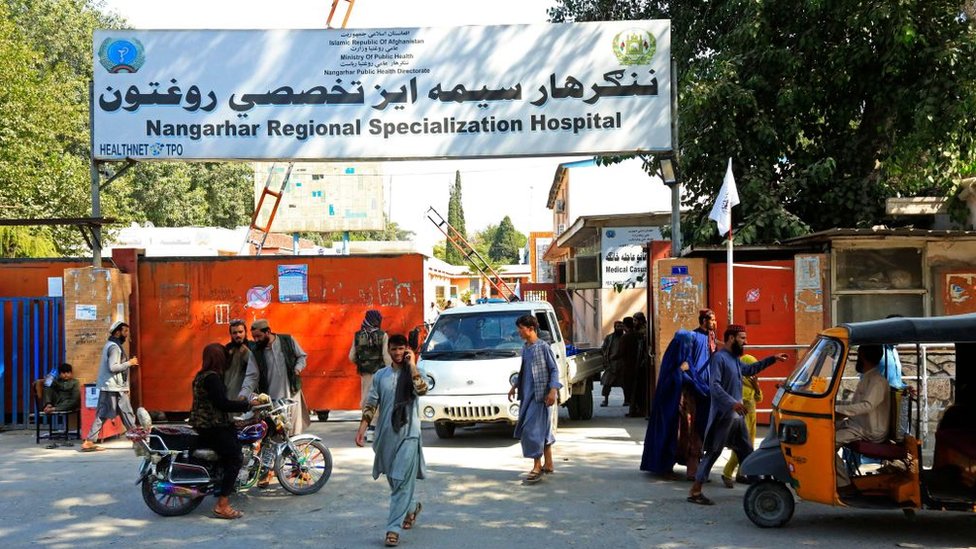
(96, 230)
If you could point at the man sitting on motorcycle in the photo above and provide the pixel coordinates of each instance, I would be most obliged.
(211, 417)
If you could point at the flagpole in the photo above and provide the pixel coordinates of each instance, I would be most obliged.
(729, 276)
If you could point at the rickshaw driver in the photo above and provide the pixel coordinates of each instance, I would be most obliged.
(865, 417)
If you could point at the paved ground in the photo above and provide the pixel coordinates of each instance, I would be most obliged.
(473, 498)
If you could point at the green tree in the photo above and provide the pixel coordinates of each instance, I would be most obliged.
(826, 108)
(26, 242)
(391, 232)
(483, 239)
(45, 65)
(38, 177)
(506, 243)
(455, 216)
(180, 194)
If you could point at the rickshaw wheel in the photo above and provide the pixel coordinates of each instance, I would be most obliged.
(769, 504)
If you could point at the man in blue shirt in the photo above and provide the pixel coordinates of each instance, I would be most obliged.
(726, 421)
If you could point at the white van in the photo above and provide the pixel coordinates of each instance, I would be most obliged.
(473, 355)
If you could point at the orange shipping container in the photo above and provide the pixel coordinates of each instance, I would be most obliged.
(185, 304)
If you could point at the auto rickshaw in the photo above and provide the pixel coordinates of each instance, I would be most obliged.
(799, 453)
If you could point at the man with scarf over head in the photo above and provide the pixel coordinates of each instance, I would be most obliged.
(212, 416)
(113, 385)
(392, 401)
(369, 353)
(685, 356)
(726, 421)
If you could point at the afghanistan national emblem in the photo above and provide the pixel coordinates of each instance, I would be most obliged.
(122, 55)
(634, 47)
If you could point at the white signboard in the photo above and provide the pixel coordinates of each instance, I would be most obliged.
(625, 256)
(463, 92)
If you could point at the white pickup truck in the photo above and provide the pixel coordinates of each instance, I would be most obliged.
(473, 354)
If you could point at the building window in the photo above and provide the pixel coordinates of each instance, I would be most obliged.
(872, 283)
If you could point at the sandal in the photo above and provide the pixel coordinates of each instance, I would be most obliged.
(392, 539)
(729, 483)
(411, 518)
(534, 477)
(228, 514)
(548, 471)
(266, 481)
(700, 499)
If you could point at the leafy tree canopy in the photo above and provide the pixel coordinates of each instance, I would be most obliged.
(506, 243)
(826, 108)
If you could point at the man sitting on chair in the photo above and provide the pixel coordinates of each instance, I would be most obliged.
(865, 417)
(64, 394)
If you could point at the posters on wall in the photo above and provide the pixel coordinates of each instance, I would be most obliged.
(624, 256)
(293, 283)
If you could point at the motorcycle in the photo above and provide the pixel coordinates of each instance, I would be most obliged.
(176, 473)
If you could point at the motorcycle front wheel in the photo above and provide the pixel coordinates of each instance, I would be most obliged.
(306, 471)
(167, 505)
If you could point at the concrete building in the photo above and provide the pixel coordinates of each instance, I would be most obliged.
(587, 200)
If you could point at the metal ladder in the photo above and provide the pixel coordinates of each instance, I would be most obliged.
(265, 229)
(277, 195)
(478, 261)
(345, 19)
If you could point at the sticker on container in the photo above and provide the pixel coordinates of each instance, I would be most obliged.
(259, 297)
(752, 296)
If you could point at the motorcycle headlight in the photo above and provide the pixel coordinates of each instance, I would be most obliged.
(430, 382)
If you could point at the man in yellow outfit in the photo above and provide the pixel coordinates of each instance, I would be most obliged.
(751, 395)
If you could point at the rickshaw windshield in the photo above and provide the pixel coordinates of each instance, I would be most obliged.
(815, 371)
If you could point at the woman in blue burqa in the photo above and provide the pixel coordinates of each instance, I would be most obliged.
(683, 369)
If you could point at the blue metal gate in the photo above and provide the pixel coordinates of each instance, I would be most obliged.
(31, 344)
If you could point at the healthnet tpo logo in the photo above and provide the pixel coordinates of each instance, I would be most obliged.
(121, 55)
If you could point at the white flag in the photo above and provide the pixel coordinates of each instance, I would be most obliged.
(728, 196)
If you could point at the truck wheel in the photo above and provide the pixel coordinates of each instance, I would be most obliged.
(769, 504)
(444, 429)
(586, 402)
(323, 415)
(573, 407)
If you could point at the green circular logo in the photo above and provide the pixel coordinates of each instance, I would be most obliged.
(634, 47)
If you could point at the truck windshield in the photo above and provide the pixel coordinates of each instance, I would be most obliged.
(471, 333)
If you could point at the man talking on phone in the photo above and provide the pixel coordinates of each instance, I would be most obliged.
(392, 401)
